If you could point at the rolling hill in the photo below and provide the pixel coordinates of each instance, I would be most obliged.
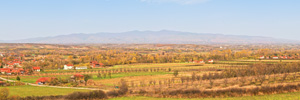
(153, 37)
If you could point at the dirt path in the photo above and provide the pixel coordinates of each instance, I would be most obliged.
(54, 86)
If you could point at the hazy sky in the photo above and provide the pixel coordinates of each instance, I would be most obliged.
(21, 19)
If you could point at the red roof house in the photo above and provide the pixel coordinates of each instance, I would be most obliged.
(44, 80)
(211, 61)
(78, 76)
(95, 64)
(37, 69)
(5, 70)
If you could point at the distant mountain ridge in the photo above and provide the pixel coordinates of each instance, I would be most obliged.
(152, 37)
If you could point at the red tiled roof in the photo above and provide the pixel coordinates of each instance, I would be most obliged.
(70, 65)
(44, 79)
(94, 62)
(36, 68)
(5, 69)
(78, 75)
(15, 71)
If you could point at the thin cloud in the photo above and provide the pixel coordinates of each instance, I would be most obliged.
(176, 1)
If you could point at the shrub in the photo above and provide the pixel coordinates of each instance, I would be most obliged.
(18, 78)
(4, 94)
(175, 73)
(86, 95)
(123, 87)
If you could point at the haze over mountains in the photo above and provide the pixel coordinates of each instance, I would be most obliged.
(153, 37)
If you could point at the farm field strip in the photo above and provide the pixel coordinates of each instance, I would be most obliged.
(27, 90)
(284, 96)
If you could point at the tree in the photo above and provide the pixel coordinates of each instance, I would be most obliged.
(123, 87)
(109, 74)
(99, 75)
(18, 78)
(86, 78)
(175, 73)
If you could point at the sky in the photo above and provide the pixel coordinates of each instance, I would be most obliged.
(21, 19)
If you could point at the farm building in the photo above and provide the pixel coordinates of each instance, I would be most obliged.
(200, 62)
(81, 67)
(68, 66)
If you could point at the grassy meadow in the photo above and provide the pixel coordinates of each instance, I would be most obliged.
(27, 90)
(285, 96)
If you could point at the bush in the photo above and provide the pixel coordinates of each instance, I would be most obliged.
(18, 78)
(4, 94)
(175, 73)
(123, 87)
(86, 95)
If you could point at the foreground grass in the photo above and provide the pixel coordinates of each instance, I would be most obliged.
(286, 96)
(26, 90)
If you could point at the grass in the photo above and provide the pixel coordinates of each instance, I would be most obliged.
(151, 65)
(26, 90)
(285, 96)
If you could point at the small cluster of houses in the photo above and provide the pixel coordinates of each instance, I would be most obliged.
(93, 64)
(44, 80)
(10, 71)
(275, 57)
(202, 61)
(14, 63)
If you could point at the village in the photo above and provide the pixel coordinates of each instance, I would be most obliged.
(143, 70)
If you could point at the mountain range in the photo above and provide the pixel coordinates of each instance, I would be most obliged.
(153, 37)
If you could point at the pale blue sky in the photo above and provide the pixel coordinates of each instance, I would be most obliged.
(21, 19)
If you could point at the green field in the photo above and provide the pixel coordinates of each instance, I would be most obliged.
(32, 79)
(26, 90)
(287, 96)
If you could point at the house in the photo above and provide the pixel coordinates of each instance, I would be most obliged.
(78, 76)
(21, 70)
(4, 70)
(200, 62)
(275, 57)
(210, 61)
(81, 67)
(37, 69)
(262, 57)
(44, 80)
(8, 72)
(95, 64)
(68, 66)
(284, 57)
(98, 65)
(15, 71)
